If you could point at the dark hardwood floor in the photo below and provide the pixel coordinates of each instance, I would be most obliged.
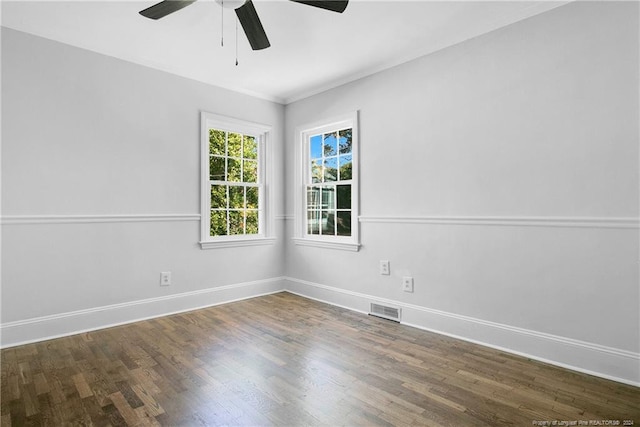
(289, 361)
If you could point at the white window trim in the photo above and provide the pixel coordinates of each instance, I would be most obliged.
(303, 133)
(265, 155)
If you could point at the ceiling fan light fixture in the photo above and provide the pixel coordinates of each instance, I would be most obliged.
(230, 4)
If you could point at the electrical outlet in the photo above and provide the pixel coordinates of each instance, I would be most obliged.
(165, 278)
(407, 284)
(384, 268)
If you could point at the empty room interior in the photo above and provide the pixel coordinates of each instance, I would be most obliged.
(320, 213)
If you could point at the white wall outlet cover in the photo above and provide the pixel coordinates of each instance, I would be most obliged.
(407, 284)
(165, 278)
(384, 268)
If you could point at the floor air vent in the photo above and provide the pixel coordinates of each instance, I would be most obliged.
(386, 312)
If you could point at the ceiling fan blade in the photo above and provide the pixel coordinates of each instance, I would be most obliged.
(252, 26)
(334, 6)
(164, 8)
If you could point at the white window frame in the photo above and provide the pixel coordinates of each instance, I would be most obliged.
(266, 217)
(302, 173)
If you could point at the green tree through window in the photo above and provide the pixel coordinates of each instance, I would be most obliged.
(235, 186)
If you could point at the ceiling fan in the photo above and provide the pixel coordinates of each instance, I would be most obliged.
(246, 13)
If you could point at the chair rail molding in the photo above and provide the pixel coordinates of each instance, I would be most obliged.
(507, 221)
(103, 218)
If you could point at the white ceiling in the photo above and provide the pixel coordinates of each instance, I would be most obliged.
(311, 49)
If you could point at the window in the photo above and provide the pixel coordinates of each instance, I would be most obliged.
(234, 192)
(327, 213)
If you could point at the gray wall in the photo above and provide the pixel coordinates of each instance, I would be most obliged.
(523, 131)
(86, 134)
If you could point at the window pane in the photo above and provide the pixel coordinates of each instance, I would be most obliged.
(236, 222)
(216, 142)
(233, 170)
(216, 168)
(345, 167)
(330, 147)
(331, 169)
(234, 176)
(313, 221)
(219, 196)
(344, 196)
(329, 179)
(313, 197)
(344, 141)
(328, 198)
(250, 147)
(250, 171)
(344, 223)
(252, 222)
(234, 145)
(316, 171)
(236, 197)
(252, 197)
(316, 147)
(218, 223)
(328, 223)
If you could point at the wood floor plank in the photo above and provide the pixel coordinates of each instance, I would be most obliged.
(81, 385)
(128, 413)
(30, 400)
(153, 408)
(285, 360)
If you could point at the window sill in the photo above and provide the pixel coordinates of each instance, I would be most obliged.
(235, 243)
(343, 246)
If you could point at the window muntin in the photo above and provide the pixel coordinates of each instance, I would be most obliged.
(235, 187)
(328, 201)
(235, 209)
(327, 179)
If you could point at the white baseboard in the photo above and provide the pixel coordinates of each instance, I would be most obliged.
(606, 362)
(71, 323)
(593, 359)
